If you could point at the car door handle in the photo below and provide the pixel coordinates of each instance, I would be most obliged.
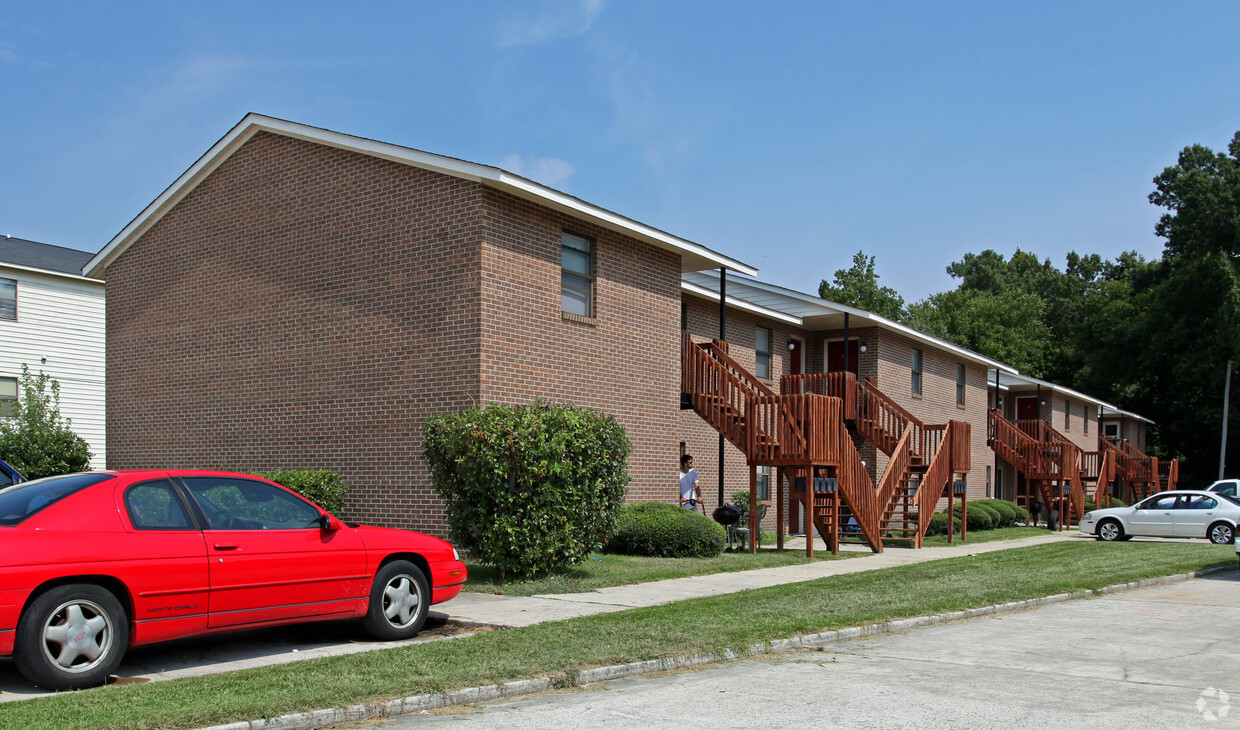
(219, 546)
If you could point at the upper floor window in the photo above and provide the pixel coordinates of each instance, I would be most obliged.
(8, 299)
(8, 396)
(916, 368)
(1085, 418)
(959, 383)
(762, 353)
(1067, 415)
(576, 274)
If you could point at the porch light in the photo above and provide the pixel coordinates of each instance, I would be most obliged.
(792, 345)
(862, 347)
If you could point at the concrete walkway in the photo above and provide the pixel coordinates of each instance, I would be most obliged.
(486, 609)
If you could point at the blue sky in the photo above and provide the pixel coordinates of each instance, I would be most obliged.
(787, 134)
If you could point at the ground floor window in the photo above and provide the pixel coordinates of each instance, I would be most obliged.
(8, 396)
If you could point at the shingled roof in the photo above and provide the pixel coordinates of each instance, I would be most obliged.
(35, 255)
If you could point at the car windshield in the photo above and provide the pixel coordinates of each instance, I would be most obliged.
(19, 502)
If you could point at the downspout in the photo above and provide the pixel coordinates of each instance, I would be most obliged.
(995, 491)
(845, 342)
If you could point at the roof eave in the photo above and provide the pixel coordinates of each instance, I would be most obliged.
(694, 257)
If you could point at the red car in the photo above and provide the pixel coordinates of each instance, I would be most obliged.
(93, 563)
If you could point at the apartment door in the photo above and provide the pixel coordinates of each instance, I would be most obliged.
(1027, 408)
(796, 350)
(835, 356)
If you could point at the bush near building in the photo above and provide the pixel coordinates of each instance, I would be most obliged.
(37, 441)
(529, 489)
(662, 530)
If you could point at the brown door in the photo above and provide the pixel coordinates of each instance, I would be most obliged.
(835, 356)
(1027, 409)
(794, 357)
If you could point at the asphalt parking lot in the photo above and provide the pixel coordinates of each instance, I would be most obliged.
(1153, 657)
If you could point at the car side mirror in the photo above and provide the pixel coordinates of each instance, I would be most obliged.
(328, 522)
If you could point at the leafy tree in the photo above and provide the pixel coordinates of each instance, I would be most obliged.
(858, 287)
(1006, 325)
(37, 440)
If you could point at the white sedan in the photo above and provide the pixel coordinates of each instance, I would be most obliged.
(1168, 514)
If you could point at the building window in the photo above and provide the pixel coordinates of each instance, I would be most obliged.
(576, 274)
(1067, 415)
(762, 353)
(959, 384)
(916, 367)
(8, 396)
(764, 483)
(1110, 430)
(8, 299)
(1085, 418)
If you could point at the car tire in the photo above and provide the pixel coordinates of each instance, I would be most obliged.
(1221, 533)
(1110, 531)
(400, 599)
(71, 637)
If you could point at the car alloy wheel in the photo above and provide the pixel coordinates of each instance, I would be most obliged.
(1110, 531)
(71, 637)
(1222, 533)
(399, 601)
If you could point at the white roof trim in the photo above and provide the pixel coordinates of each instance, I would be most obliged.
(1112, 412)
(485, 174)
(1018, 379)
(49, 272)
(740, 304)
(827, 307)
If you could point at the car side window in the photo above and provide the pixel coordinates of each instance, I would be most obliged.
(244, 504)
(1167, 502)
(1198, 503)
(156, 506)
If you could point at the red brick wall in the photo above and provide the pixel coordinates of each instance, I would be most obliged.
(304, 307)
(625, 361)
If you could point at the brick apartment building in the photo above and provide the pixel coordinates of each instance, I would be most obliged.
(301, 298)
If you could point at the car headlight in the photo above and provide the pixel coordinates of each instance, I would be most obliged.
(1089, 517)
(455, 555)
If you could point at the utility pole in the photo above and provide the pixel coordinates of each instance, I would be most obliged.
(1222, 449)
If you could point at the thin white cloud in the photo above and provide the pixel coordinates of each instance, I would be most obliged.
(546, 170)
(558, 19)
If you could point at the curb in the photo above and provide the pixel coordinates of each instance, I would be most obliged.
(420, 703)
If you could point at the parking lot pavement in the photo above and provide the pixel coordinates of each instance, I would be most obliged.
(230, 652)
(1154, 657)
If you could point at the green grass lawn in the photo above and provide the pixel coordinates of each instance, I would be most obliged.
(699, 625)
(602, 570)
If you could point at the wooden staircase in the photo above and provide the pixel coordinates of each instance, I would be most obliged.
(1052, 464)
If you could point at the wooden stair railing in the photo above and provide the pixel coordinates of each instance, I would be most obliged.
(858, 492)
(1013, 444)
(842, 385)
(951, 457)
(882, 421)
(1168, 474)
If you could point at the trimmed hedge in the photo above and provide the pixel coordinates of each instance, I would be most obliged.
(530, 489)
(1008, 511)
(978, 519)
(938, 524)
(327, 489)
(662, 530)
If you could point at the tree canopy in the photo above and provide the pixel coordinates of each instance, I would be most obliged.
(858, 286)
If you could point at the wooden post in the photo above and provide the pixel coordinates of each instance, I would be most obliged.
(809, 511)
(779, 508)
(964, 511)
(753, 508)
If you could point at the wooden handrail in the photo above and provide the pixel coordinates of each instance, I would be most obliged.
(882, 421)
(842, 385)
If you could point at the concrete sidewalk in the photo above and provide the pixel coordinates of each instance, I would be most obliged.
(487, 609)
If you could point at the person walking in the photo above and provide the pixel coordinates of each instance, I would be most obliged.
(690, 491)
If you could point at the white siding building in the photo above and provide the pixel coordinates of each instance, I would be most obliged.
(52, 320)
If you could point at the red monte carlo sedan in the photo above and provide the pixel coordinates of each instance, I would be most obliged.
(93, 563)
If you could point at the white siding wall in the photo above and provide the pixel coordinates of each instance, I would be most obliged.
(61, 319)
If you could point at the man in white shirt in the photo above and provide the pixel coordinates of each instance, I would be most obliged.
(690, 493)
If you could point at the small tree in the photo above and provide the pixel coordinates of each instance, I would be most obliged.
(530, 489)
(37, 440)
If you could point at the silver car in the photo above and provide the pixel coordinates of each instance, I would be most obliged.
(1181, 513)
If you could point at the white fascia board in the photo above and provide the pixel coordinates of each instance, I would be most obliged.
(834, 308)
(1017, 379)
(484, 174)
(1112, 411)
(741, 304)
(47, 272)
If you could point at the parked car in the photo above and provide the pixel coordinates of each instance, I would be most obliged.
(1230, 487)
(1181, 513)
(96, 562)
(9, 476)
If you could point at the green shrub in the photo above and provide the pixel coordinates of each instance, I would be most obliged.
(37, 440)
(1022, 514)
(996, 517)
(938, 524)
(979, 519)
(528, 489)
(1008, 512)
(327, 489)
(661, 530)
